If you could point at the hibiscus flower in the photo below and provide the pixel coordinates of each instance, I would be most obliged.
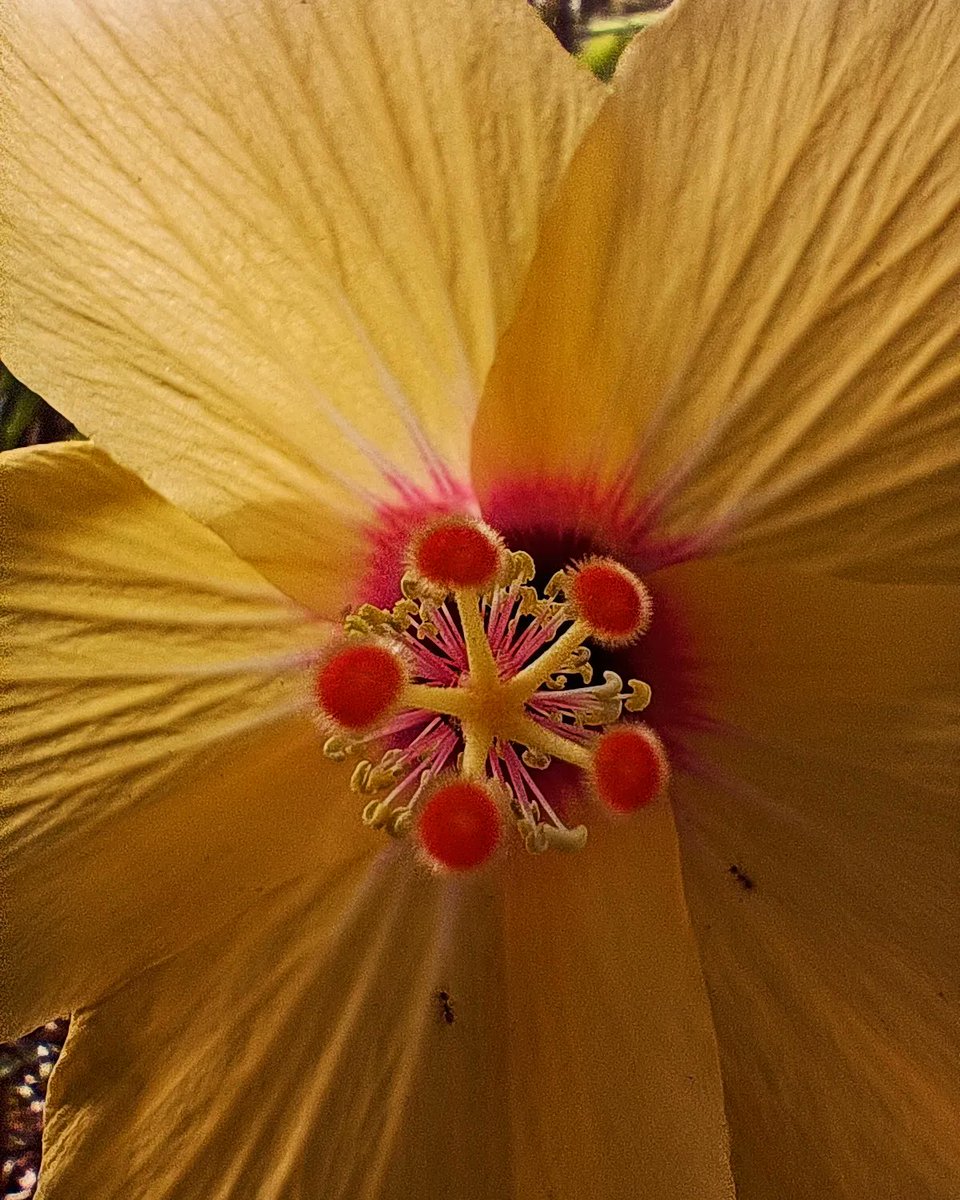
(325, 281)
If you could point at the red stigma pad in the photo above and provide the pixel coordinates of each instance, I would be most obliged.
(610, 599)
(629, 767)
(457, 553)
(460, 825)
(358, 685)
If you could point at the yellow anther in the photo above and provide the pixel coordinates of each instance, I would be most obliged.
(534, 837)
(522, 568)
(557, 585)
(338, 747)
(579, 664)
(370, 620)
(361, 773)
(530, 603)
(538, 836)
(640, 695)
(400, 821)
(368, 777)
(410, 587)
(536, 760)
(375, 616)
(377, 814)
(568, 840)
(611, 686)
(402, 613)
(605, 713)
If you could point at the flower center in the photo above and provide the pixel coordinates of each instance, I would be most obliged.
(464, 689)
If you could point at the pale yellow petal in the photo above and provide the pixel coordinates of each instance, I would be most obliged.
(374, 1041)
(159, 770)
(745, 302)
(303, 1053)
(614, 1073)
(262, 252)
(821, 848)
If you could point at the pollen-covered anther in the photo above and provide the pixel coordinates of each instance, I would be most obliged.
(610, 599)
(454, 703)
(459, 824)
(358, 682)
(629, 768)
(455, 554)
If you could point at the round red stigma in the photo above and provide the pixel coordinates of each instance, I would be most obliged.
(356, 686)
(456, 552)
(459, 826)
(630, 767)
(611, 599)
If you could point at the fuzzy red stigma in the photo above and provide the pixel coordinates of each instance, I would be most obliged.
(459, 827)
(358, 685)
(629, 767)
(611, 600)
(456, 552)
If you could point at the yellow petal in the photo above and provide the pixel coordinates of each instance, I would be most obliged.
(745, 299)
(158, 770)
(615, 1078)
(322, 1059)
(262, 252)
(303, 1053)
(821, 855)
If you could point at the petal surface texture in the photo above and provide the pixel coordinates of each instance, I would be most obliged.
(821, 849)
(261, 253)
(745, 301)
(310, 1052)
(158, 770)
(615, 1079)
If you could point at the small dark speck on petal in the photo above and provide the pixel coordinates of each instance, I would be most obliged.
(741, 877)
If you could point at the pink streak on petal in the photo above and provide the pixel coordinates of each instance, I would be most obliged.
(585, 511)
(388, 534)
(558, 520)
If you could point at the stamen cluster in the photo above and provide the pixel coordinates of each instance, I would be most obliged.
(456, 697)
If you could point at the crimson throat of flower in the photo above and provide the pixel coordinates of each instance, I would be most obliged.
(463, 688)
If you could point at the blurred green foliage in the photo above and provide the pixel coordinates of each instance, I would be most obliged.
(602, 51)
(26, 418)
(18, 410)
(605, 38)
